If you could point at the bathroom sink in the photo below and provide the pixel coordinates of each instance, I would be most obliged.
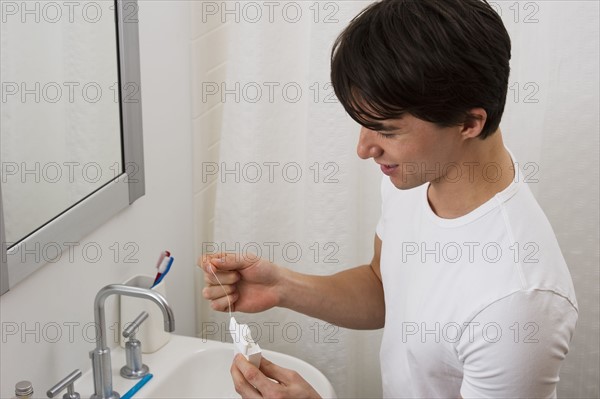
(188, 367)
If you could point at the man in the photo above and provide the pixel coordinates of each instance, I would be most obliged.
(467, 277)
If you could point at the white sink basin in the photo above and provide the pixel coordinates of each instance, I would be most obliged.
(188, 367)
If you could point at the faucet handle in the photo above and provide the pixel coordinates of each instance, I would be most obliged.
(132, 328)
(67, 382)
(134, 367)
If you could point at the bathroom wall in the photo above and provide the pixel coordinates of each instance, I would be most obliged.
(46, 319)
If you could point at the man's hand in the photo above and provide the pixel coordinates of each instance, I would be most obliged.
(251, 382)
(252, 283)
(352, 298)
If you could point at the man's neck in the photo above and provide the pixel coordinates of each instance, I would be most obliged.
(486, 169)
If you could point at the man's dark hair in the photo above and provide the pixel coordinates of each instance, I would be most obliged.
(433, 59)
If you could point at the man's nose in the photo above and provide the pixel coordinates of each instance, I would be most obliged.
(367, 144)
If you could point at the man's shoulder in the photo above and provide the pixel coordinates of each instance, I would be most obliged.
(534, 247)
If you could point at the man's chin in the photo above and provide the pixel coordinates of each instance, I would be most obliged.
(402, 183)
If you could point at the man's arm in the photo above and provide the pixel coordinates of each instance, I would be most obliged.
(352, 298)
(515, 346)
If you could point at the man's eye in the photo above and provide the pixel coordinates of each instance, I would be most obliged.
(387, 136)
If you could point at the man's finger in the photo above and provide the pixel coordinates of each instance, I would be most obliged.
(231, 261)
(242, 386)
(222, 304)
(253, 375)
(275, 372)
(223, 278)
(216, 291)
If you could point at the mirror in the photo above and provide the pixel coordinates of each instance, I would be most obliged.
(71, 132)
(61, 138)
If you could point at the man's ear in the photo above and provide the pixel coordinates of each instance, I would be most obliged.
(474, 124)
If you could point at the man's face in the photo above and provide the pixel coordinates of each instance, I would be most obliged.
(411, 151)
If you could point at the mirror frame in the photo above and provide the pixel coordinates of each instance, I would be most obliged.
(88, 214)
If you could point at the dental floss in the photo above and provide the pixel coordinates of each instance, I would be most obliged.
(226, 294)
(240, 333)
(243, 342)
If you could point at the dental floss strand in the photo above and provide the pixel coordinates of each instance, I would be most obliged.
(225, 291)
(240, 333)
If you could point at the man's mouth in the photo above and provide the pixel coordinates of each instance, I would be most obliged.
(388, 169)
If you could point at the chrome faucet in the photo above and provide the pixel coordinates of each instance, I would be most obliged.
(101, 365)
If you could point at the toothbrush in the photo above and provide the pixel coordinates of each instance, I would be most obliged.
(137, 387)
(161, 265)
(161, 258)
(161, 276)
